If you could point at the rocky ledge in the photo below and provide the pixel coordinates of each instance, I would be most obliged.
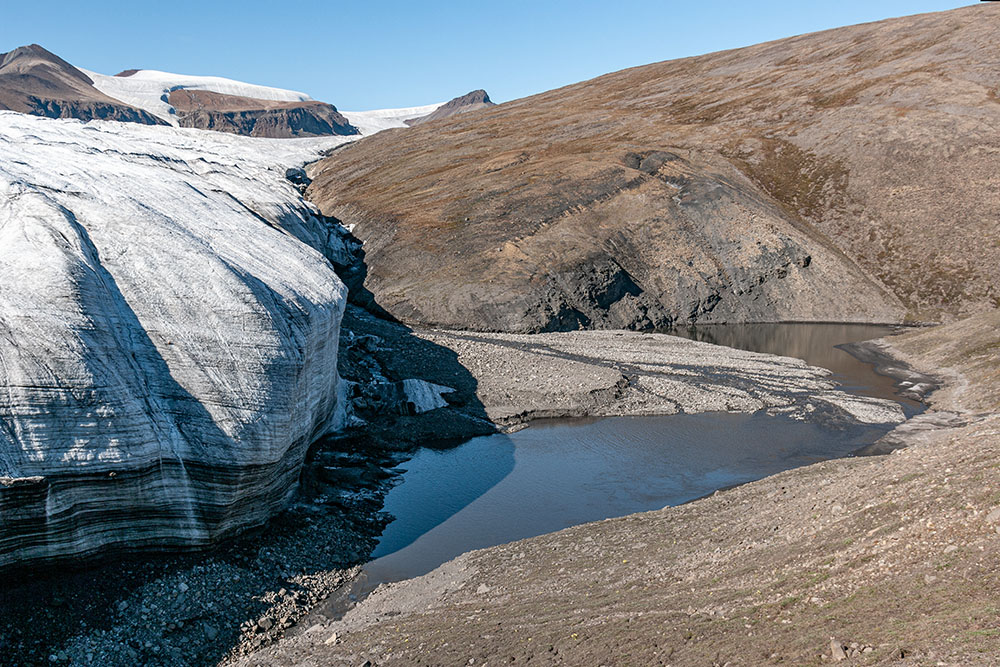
(474, 101)
(206, 110)
(37, 82)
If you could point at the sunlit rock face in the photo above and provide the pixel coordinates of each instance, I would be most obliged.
(168, 344)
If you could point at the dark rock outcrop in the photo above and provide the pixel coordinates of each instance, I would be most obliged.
(37, 82)
(474, 101)
(207, 110)
(601, 245)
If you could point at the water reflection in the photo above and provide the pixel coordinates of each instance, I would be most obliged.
(566, 474)
(556, 474)
(816, 344)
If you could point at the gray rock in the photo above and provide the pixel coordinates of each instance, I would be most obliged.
(474, 101)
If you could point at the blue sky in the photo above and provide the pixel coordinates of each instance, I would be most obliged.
(367, 55)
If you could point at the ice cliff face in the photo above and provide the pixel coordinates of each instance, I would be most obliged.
(168, 339)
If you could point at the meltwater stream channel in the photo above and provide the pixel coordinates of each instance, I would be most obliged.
(558, 473)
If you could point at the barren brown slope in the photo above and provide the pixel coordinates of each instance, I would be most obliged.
(249, 116)
(698, 188)
(35, 81)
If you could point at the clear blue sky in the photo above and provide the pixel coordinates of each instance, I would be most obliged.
(389, 53)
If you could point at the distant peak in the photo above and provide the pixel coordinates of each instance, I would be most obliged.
(126, 72)
(34, 54)
(475, 97)
(31, 50)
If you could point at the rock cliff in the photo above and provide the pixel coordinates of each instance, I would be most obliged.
(168, 343)
(844, 175)
(208, 110)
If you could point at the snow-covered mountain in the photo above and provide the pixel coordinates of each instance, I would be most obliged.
(149, 89)
(370, 122)
(169, 311)
(38, 82)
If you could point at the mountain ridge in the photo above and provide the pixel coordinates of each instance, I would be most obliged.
(35, 81)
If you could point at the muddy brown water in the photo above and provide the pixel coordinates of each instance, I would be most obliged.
(559, 473)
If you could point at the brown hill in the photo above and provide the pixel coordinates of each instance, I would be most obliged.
(841, 175)
(474, 101)
(37, 82)
(258, 118)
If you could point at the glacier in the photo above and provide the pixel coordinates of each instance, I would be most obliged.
(168, 334)
(148, 89)
(370, 122)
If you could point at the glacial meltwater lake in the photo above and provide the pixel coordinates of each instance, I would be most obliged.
(558, 473)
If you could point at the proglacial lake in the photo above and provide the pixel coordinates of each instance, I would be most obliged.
(554, 474)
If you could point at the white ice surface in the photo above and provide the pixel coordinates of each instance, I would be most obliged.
(148, 89)
(161, 310)
(370, 122)
(424, 395)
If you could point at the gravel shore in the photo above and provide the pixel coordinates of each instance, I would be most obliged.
(872, 559)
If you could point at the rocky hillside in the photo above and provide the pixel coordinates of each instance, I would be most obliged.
(843, 175)
(207, 110)
(37, 82)
(474, 101)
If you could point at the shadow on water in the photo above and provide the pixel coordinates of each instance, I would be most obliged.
(568, 472)
(491, 489)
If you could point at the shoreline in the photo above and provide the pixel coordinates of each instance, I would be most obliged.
(272, 570)
(838, 539)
